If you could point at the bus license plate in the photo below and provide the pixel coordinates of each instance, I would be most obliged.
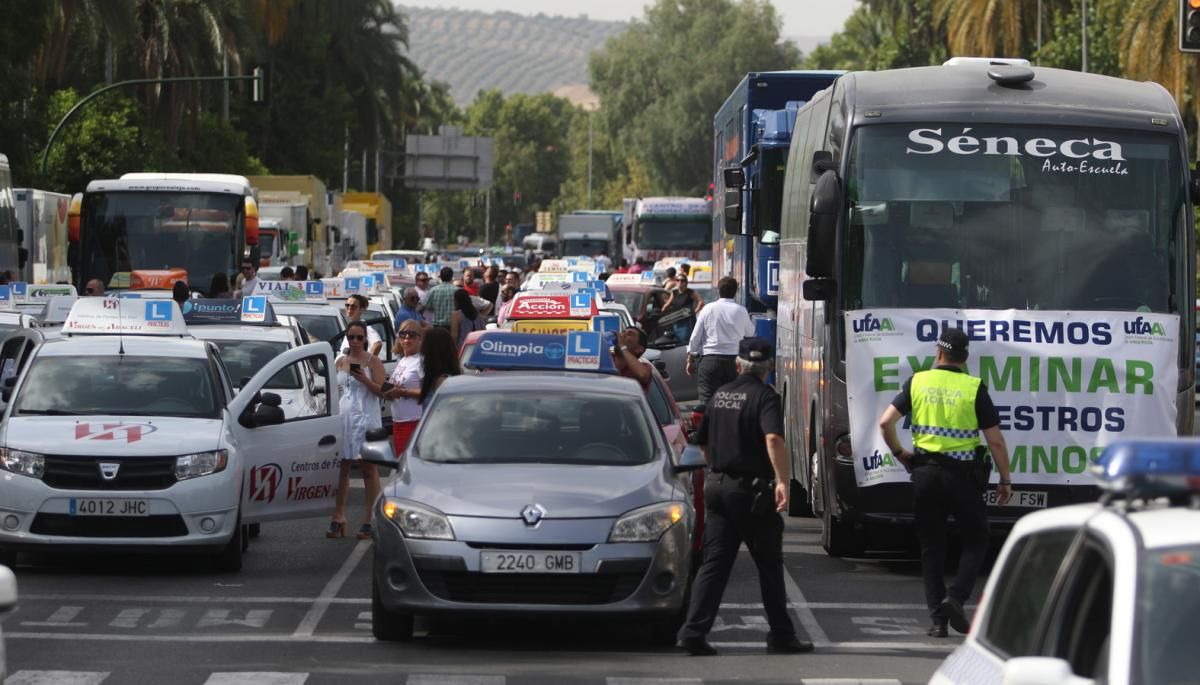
(95, 506)
(525, 561)
(1035, 499)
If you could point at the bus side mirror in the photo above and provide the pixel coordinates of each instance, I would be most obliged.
(735, 180)
(822, 226)
(1194, 184)
(819, 289)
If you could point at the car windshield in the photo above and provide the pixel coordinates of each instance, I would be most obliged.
(244, 358)
(320, 327)
(1015, 217)
(549, 428)
(125, 385)
(1169, 615)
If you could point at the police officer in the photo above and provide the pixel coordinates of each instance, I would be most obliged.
(745, 489)
(948, 408)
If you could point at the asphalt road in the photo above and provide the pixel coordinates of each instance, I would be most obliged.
(299, 612)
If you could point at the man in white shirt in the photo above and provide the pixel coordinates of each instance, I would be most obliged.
(422, 286)
(250, 276)
(713, 347)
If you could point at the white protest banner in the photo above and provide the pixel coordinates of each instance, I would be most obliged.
(1065, 384)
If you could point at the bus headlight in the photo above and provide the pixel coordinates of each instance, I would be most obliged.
(646, 524)
(417, 521)
(22, 462)
(200, 464)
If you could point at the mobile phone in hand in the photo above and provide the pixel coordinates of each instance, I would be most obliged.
(355, 368)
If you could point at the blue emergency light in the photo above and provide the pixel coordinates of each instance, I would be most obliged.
(229, 312)
(1150, 468)
(575, 351)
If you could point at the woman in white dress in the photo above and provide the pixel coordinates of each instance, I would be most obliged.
(360, 377)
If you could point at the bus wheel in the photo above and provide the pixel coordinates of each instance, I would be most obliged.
(839, 539)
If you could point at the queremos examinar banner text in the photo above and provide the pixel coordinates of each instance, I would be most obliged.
(1065, 384)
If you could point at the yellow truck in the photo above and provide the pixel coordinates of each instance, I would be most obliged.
(279, 197)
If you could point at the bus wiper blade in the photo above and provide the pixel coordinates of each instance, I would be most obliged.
(49, 412)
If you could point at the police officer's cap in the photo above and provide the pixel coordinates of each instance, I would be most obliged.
(755, 349)
(954, 340)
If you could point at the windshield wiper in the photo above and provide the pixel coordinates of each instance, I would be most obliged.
(49, 412)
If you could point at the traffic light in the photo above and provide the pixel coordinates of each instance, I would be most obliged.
(258, 86)
(1189, 25)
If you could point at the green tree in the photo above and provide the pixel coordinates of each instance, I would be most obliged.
(661, 81)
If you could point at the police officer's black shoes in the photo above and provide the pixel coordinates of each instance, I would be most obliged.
(791, 645)
(938, 629)
(952, 610)
(696, 646)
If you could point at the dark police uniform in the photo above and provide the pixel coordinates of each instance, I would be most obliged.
(737, 420)
(947, 410)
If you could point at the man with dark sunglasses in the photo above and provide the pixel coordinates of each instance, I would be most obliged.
(409, 308)
(250, 279)
(356, 307)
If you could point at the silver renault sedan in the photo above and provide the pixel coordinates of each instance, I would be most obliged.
(535, 493)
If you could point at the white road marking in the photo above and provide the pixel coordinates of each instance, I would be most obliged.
(364, 618)
(255, 618)
(128, 618)
(256, 678)
(849, 681)
(309, 624)
(168, 618)
(57, 678)
(808, 620)
(192, 599)
(887, 625)
(62, 617)
(433, 679)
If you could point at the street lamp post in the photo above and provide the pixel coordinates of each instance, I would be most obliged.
(257, 76)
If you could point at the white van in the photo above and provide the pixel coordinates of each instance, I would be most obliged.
(542, 244)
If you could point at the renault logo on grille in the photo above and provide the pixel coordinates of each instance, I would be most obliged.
(532, 514)
(109, 471)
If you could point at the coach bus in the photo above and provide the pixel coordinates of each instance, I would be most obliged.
(1045, 212)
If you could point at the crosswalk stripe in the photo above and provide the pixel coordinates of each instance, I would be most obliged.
(256, 678)
(439, 679)
(612, 680)
(57, 678)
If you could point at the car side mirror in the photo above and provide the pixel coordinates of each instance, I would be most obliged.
(378, 449)
(662, 369)
(692, 459)
(1036, 670)
(6, 390)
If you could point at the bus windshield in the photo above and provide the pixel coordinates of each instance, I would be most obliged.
(675, 235)
(1014, 217)
(127, 231)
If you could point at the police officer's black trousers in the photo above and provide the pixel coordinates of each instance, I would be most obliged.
(728, 523)
(941, 489)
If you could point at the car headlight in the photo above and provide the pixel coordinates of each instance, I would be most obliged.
(646, 524)
(24, 463)
(200, 464)
(417, 521)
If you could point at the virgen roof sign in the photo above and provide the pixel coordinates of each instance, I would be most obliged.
(111, 315)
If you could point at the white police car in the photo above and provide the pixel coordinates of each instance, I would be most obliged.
(126, 432)
(248, 335)
(1098, 593)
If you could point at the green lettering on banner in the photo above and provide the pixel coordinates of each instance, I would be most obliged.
(1045, 460)
(1009, 379)
(1016, 461)
(1035, 374)
(1139, 373)
(1074, 459)
(921, 363)
(892, 369)
(1056, 369)
(1104, 375)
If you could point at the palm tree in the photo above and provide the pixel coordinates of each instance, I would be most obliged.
(989, 27)
(1148, 49)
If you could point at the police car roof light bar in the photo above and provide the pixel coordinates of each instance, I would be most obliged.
(1146, 469)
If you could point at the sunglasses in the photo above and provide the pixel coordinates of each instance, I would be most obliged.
(91, 291)
(351, 306)
(408, 334)
(356, 337)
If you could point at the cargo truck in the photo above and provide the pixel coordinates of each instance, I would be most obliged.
(42, 218)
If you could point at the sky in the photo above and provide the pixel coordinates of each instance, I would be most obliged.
(800, 17)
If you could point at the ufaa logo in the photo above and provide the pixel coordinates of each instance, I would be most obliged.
(869, 324)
